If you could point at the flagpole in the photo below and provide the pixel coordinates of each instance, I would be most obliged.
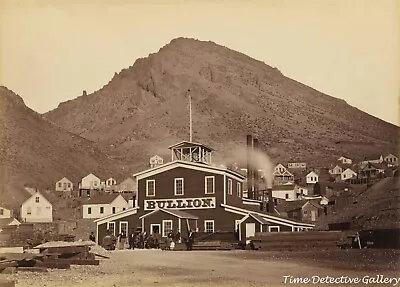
(190, 117)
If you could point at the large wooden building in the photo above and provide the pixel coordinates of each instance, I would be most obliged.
(191, 193)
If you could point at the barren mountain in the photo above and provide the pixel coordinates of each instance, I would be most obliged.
(36, 153)
(144, 108)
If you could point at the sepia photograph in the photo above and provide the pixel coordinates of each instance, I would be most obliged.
(199, 143)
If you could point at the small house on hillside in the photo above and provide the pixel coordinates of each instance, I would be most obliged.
(110, 182)
(156, 160)
(37, 208)
(88, 183)
(372, 170)
(348, 174)
(391, 160)
(312, 178)
(345, 160)
(372, 159)
(104, 205)
(5, 212)
(284, 191)
(309, 211)
(64, 184)
(337, 170)
(282, 175)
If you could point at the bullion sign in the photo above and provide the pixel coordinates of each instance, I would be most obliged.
(181, 203)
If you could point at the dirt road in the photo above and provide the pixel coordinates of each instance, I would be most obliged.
(197, 268)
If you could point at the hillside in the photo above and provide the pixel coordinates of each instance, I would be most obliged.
(36, 153)
(144, 108)
(377, 206)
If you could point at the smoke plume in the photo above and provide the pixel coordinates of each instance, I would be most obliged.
(258, 160)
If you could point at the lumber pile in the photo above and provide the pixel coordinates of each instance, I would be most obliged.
(295, 240)
(54, 255)
(212, 245)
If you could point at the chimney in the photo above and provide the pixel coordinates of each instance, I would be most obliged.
(256, 173)
(250, 182)
(271, 205)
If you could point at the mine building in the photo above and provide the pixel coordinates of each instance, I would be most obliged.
(189, 192)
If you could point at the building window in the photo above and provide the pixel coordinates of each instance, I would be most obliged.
(29, 210)
(37, 199)
(209, 184)
(238, 190)
(69, 184)
(178, 186)
(287, 195)
(150, 187)
(101, 209)
(305, 212)
(111, 227)
(1, 211)
(113, 210)
(89, 210)
(167, 227)
(59, 184)
(209, 226)
(274, 228)
(95, 183)
(229, 186)
(123, 227)
(123, 208)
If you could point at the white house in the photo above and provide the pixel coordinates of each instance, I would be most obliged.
(104, 205)
(345, 160)
(156, 161)
(391, 159)
(90, 182)
(311, 177)
(128, 185)
(301, 190)
(37, 208)
(64, 184)
(375, 159)
(282, 175)
(337, 170)
(284, 191)
(347, 174)
(5, 212)
(110, 182)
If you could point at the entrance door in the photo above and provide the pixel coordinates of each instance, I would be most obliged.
(155, 228)
(313, 215)
(250, 229)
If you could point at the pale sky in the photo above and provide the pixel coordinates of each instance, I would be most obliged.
(50, 51)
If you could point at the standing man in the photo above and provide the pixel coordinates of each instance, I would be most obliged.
(132, 238)
(190, 241)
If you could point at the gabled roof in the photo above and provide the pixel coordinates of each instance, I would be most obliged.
(103, 199)
(257, 217)
(173, 212)
(311, 173)
(273, 218)
(7, 221)
(44, 194)
(184, 144)
(314, 203)
(64, 178)
(187, 164)
(390, 154)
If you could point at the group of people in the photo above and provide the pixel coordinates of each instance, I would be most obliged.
(142, 240)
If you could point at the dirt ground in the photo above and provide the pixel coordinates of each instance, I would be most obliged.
(214, 268)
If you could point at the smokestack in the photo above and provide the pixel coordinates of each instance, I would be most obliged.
(271, 205)
(250, 182)
(256, 173)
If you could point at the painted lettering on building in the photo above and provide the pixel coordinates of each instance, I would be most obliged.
(181, 203)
